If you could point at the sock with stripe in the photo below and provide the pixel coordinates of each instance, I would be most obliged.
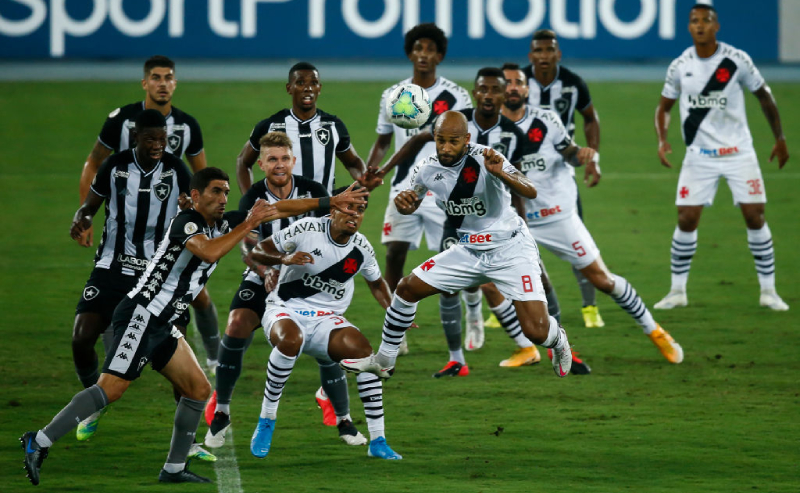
(684, 245)
(507, 316)
(85, 403)
(555, 339)
(450, 314)
(370, 390)
(628, 299)
(187, 417)
(398, 319)
(279, 368)
(760, 243)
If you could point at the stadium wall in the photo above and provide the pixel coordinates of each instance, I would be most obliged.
(370, 29)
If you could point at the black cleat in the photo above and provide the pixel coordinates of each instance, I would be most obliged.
(185, 476)
(579, 367)
(452, 369)
(34, 456)
(349, 434)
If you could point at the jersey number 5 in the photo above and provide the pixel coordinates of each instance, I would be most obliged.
(578, 248)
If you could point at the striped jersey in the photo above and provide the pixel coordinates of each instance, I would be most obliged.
(175, 275)
(326, 286)
(567, 93)
(477, 203)
(544, 165)
(713, 118)
(183, 132)
(444, 95)
(316, 142)
(138, 207)
(302, 188)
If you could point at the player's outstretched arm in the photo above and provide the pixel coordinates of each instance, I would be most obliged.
(591, 127)
(82, 220)
(770, 109)
(265, 253)
(410, 149)
(211, 250)
(662, 128)
(341, 202)
(96, 157)
(378, 150)
(244, 167)
(380, 291)
(516, 181)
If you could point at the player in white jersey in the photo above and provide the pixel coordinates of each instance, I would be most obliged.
(426, 47)
(471, 183)
(305, 313)
(708, 79)
(553, 215)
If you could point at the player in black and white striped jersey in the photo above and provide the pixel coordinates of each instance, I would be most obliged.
(277, 160)
(555, 87)
(318, 137)
(184, 139)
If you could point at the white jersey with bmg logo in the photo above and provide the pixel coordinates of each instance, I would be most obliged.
(444, 95)
(713, 119)
(476, 203)
(545, 166)
(326, 286)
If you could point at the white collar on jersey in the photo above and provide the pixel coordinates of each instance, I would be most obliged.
(136, 162)
(291, 194)
(291, 112)
(528, 110)
(333, 242)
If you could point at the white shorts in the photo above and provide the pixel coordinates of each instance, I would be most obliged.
(568, 239)
(316, 330)
(428, 218)
(700, 176)
(513, 267)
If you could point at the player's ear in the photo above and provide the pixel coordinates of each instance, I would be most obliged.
(144, 82)
(195, 194)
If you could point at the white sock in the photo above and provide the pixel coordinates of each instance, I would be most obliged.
(554, 338)
(458, 355)
(223, 408)
(473, 302)
(760, 243)
(173, 468)
(42, 440)
(347, 417)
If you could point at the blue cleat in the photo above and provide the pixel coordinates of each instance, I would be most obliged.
(380, 449)
(262, 437)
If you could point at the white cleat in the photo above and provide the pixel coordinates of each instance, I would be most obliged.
(770, 299)
(475, 334)
(671, 300)
(212, 365)
(562, 358)
(215, 436)
(369, 364)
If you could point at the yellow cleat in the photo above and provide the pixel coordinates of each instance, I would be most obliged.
(523, 356)
(667, 345)
(591, 317)
(492, 322)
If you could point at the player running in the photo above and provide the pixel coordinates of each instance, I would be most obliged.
(708, 79)
(304, 314)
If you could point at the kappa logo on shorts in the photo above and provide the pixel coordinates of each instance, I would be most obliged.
(162, 190)
(90, 293)
(174, 141)
(323, 135)
(246, 294)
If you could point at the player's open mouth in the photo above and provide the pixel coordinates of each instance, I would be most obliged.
(307, 99)
(352, 224)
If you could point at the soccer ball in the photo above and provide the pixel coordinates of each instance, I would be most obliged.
(408, 106)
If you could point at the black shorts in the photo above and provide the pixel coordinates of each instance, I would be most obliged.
(449, 236)
(139, 337)
(103, 292)
(252, 296)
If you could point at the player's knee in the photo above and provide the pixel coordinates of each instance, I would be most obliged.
(85, 333)
(290, 342)
(404, 289)
(241, 325)
(200, 388)
(396, 254)
(688, 220)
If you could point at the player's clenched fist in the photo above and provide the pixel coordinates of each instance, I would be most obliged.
(79, 225)
(493, 161)
(406, 202)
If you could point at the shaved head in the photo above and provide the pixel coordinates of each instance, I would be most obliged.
(451, 136)
(451, 122)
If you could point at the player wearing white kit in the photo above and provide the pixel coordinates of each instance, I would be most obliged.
(304, 314)
(553, 218)
(471, 183)
(708, 79)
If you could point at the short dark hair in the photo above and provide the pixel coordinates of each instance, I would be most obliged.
(157, 61)
(428, 30)
(704, 6)
(490, 72)
(202, 178)
(355, 189)
(301, 66)
(510, 66)
(150, 119)
(544, 34)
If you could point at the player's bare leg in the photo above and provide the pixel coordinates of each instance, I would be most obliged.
(396, 253)
(684, 246)
(349, 344)
(759, 239)
(86, 330)
(628, 299)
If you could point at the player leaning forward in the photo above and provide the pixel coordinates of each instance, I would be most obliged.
(708, 78)
(143, 321)
(469, 182)
(304, 314)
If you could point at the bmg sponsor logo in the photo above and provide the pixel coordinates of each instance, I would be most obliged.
(331, 287)
(714, 99)
(472, 206)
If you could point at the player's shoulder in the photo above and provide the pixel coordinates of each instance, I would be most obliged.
(451, 86)
(546, 115)
(305, 185)
(736, 54)
(306, 226)
(687, 55)
(568, 77)
(278, 118)
(476, 150)
(507, 124)
(388, 90)
(181, 116)
(361, 242)
(184, 220)
(170, 160)
(528, 71)
(468, 112)
(328, 118)
(127, 112)
(257, 190)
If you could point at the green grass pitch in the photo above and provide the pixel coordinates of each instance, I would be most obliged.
(726, 420)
